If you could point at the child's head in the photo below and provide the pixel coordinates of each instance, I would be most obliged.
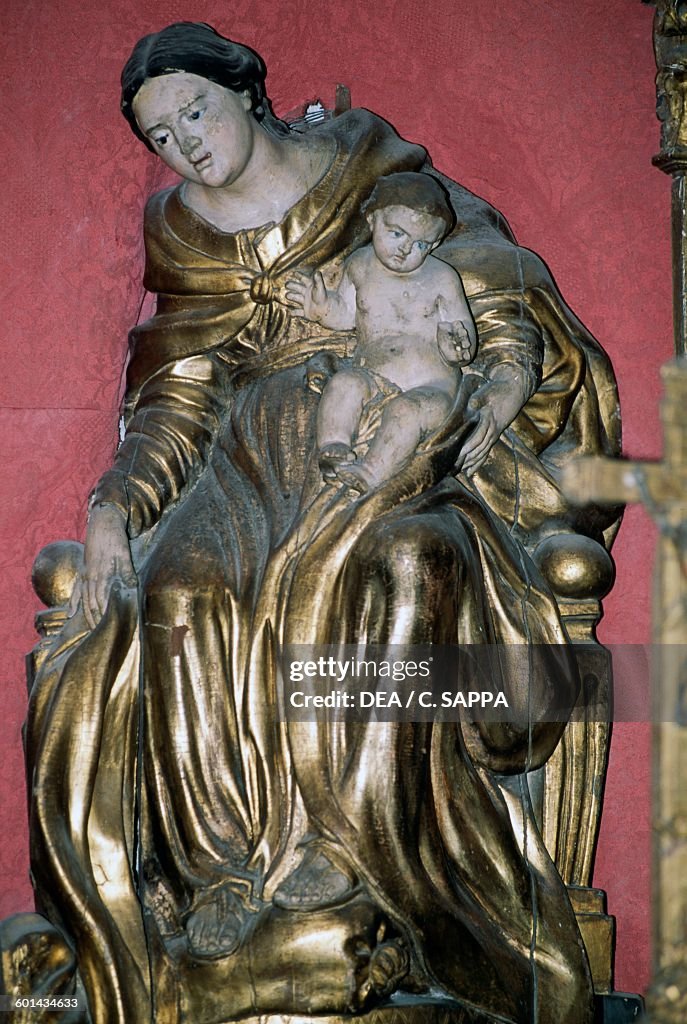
(408, 214)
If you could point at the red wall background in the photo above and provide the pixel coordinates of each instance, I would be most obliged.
(544, 107)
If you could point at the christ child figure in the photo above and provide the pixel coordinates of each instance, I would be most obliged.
(414, 331)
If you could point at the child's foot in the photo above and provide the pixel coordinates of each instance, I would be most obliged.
(331, 456)
(358, 477)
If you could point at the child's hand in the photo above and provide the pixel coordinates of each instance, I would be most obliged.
(455, 343)
(308, 295)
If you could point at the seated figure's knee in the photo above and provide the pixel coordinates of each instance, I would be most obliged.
(171, 597)
(350, 385)
(426, 407)
(423, 408)
(413, 547)
(407, 580)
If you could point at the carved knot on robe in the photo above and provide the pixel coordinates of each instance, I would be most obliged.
(261, 289)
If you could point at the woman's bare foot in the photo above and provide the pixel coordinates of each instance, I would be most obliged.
(316, 883)
(331, 456)
(216, 924)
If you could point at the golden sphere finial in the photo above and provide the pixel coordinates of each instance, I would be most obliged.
(575, 567)
(55, 570)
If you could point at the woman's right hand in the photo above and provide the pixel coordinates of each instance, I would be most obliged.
(107, 558)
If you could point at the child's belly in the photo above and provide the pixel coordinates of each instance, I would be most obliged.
(408, 362)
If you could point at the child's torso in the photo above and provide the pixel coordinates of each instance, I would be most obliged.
(396, 324)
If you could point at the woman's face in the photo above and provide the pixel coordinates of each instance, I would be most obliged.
(201, 130)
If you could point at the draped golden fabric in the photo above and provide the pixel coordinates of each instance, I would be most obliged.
(154, 741)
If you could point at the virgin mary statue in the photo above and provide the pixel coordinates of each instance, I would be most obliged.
(202, 858)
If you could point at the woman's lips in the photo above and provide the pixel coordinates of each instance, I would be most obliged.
(203, 162)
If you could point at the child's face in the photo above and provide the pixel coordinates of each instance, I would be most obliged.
(403, 238)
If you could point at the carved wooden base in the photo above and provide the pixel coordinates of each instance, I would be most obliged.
(35, 962)
(598, 933)
(400, 1010)
(318, 976)
(619, 1008)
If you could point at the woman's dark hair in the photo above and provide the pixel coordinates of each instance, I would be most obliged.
(419, 192)
(195, 48)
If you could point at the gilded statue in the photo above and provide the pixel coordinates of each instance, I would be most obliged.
(195, 856)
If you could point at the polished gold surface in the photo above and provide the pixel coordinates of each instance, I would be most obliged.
(598, 931)
(418, 1011)
(55, 571)
(209, 861)
(581, 572)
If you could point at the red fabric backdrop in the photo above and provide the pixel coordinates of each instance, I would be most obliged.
(544, 107)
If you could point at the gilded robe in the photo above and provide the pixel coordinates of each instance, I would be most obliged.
(176, 766)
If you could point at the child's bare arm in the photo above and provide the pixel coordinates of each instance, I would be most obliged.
(331, 307)
(456, 331)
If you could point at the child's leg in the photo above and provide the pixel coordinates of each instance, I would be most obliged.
(338, 417)
(406, 420)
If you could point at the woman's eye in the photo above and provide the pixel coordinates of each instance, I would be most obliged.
(161, 140)
(423, 246)
(195, 115)
(396, 234)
